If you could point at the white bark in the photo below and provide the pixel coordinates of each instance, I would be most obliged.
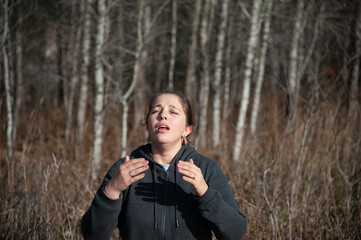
(262, 64)
(83, 96)
(218, 74)
(123, 98)
(8, 93)
(204, 91)
(174, 45)
(190, 87)
(293, 67)
(124, 128)
(143, 62)
(99, 89)
(252, 43)
(227, 78)
(19, 74)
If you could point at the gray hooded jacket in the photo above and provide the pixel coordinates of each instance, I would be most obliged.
(164, 206)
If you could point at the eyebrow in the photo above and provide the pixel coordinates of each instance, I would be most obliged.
(172, 106)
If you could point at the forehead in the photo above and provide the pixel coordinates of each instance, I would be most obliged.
(168, 100)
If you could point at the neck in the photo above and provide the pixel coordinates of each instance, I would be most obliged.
(163, 153)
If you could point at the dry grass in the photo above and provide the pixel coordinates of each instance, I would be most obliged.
(303, 184)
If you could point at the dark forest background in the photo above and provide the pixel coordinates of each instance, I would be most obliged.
(274, 85)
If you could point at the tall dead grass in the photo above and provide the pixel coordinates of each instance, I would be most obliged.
(298, 184)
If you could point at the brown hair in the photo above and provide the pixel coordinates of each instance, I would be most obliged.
(187, 107)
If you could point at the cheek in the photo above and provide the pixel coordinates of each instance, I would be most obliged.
(149, 123)
(181, 124)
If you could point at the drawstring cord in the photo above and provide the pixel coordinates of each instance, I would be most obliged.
(154, 196)
(175, 190)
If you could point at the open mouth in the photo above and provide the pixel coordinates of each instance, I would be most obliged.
(162, 127)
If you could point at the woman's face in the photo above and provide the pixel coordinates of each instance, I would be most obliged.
(167, 120)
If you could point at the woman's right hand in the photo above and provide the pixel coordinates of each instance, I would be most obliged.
(128, 172)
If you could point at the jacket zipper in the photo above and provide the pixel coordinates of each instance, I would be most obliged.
(164, 208)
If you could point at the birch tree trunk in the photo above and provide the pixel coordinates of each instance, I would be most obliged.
(8, 93)
(76, 35)
(19, 73)
(174, 45)
(143, 62)
(99, 89)
(356, 68)
(262, 64)
(293, 90)
(190, 86)
(124, 127)
(252, 43)
(204, 86)
(227, 78)
(123, 99)
(218, 74)
(83, 96)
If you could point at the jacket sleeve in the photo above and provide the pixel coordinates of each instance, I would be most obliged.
(101, 218)
(219, 207)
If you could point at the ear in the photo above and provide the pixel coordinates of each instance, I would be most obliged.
(187, 131)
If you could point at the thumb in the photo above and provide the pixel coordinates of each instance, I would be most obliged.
(191, 160)
(127, 158)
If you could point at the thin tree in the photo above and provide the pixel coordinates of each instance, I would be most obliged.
(227, 77)
(143, 63)
(174, 45)
(19, 71)
(190, 86)
(218, 74)
(76, 39)
(261, 69)
(204, 85)
(8, 92)
(293, 79)
(83, 95)
(124, 98)
(99, 89)
(356, 67)
(252, 43)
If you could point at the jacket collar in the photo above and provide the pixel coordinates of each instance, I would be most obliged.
(145, 151)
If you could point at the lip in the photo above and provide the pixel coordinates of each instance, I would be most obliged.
(158, 125)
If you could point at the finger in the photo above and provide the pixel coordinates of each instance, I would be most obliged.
(190, 180)
(187, 166)
(138, 170)
(136, 165)
(130, 163)
(137, 177)
(188, 173)
(127, 159)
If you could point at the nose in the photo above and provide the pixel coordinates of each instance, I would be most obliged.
(162, 115)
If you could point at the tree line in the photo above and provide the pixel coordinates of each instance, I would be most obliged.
(252, 68)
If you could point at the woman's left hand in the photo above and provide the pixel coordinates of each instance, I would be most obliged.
(194, 176)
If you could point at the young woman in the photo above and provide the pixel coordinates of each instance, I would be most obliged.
(165, 189)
